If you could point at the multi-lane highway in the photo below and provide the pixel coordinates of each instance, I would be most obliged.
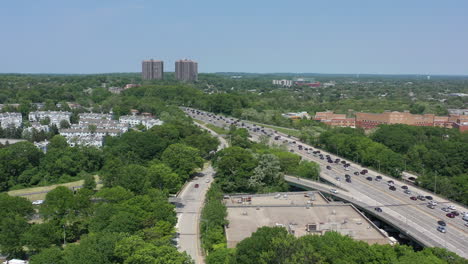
(411, 217)
(189, 204)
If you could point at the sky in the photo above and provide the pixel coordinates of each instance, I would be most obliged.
(264, 36)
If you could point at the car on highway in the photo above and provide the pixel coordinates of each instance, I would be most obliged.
(338, 178)
(451, 207)
(197, 185)
(393, 188)
(347, 176)
(207, 180)
(407, 191)
(333, 191)
(455, 213)
(450, 215)
(378, 177)
(441, 229)
(348, 180)
(431, 206)
(429, 197)
(445, 209)
(378, 209)
(422, 198)
(369, 178)
(441, 223)
(356, 173)
(413, 198)
(328, 168)
(390, 182)
(404, 187)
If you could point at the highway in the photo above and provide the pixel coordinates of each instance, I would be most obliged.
(412, 217)
(189, 206)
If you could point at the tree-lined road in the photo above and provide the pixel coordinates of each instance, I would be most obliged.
(411, 217)
(189, 206)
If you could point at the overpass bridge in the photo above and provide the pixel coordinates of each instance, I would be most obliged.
(412, 218)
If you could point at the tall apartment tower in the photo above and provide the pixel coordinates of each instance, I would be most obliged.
(152, 69)
(186, 70)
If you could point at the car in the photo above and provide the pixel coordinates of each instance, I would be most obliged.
(451, 207)
(422, 198)
(450, 215)
(378, 177)
(433, 203)
(328, 168)
(338, 179)
(207, 180)
(413, 198)
(369, 178)
(445, 209)
(333, 191)
(347, 176)
(393, 188)
(455, 213)
(441, 229)
(441, 223)
(390, 182)
(407, 191)
(343, 162)
(429, 197)
(348, 180)
(431, 206)
(38, 202)
(404, 187)
(378, 209)
(197, 185)
(356, 173)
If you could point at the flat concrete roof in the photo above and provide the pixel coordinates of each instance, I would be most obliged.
(298, 218)
(284, 198)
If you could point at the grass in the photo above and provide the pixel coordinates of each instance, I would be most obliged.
(218, 130)
(44, 189)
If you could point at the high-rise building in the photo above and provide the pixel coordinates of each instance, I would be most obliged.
(152, 69)
(186, 70)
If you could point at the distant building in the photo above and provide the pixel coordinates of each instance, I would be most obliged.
(134, 120)
(152, 69)
(11, 120)
(458, 111)
(284, 83)
(333, 119)
(299, 115)
(55, 117)
(186, 70)
(38, 127)
(96, 116)
(42, 145)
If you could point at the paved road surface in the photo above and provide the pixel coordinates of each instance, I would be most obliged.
(412, 217)
(189, 210)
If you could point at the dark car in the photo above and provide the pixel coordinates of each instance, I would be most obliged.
(429, 197)
(450, 215)
(347, 176)
(328, 168)
(379, 177)
(348, 180)
(391, 182)
(378, 209)
(404, 187)
(369, 178)
(441, 223)
(343, 162)
(455, 213)
(197, 185)
(413, 198)
(356, 173)
(365, 171)
(393, 188)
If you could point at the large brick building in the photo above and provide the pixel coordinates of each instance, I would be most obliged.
(186, 70)
(372, 120)
(152, 69)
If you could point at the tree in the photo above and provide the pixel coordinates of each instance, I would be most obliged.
(162, 177)
(307, 169)
(52, 255)
(133, 177)
(89, 181)
(182, 159)
(41, 236)
(58, 203)
(267, 173)
(11, 229)
(64, 124)
(57, 143)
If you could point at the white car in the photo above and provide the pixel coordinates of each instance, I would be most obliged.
(441, 229)
(333, 191)
(451, 207)
(207, 180)
(38, 202)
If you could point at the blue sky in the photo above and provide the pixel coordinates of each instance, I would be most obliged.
(374, 36)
